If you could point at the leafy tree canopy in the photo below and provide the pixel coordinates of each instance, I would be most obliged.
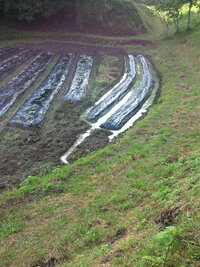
(28, 9)
(113, 15)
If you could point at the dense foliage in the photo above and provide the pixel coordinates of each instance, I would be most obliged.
(115, 15)
(28, 9)
(172, 9)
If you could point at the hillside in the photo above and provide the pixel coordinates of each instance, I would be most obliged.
(134, 202)
(115, 17)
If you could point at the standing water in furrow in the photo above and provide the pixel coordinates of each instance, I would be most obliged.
(21, 82)
(96, 125)
(135, 101)
(117, 92)
(148, 83)
(35, 107)
(7, 52)
(11, 64)
(80, 81)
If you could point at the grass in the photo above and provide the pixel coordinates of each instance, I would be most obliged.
(132, 203)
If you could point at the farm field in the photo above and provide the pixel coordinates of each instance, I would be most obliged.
(45, 95)
(99, 147)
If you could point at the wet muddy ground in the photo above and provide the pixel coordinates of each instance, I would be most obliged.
(36, 149)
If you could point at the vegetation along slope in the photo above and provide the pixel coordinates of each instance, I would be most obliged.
(134, 202)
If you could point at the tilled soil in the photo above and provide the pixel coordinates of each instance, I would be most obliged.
(38, 149)
(62, 47)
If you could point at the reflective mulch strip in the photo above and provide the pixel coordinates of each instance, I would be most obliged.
(80, 81)
(35, 107)
(117, 92)
(21, 82)
(11, 64)
(138, 97)
(6, 52)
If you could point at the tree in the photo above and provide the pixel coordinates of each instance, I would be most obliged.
(85, 10)
(28, 9)
(171, 9)
(191, 4)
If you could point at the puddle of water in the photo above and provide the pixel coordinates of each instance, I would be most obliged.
(80, 81)
(80, 140)
(94, 126)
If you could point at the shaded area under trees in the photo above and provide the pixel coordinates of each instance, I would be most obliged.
(114, 15)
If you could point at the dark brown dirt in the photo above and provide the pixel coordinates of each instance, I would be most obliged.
(74, 48)
(167, 217)
(98, 139)
(38, 149)
(119, 234)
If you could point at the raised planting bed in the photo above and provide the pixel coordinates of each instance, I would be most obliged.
(118, 106)
(10, 92)
(6, 52)
(136, 99)
(117, 92)
(35, 107)
(11, 64)
(96, 80)
(79, 84)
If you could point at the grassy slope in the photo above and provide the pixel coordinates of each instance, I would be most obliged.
(112, 206)
(119, 17)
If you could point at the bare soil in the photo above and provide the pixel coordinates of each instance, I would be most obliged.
(74, 48)
(38, 148)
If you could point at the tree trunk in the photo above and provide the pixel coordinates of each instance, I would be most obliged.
(167, 29)
(189, 14)
(177, 25)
